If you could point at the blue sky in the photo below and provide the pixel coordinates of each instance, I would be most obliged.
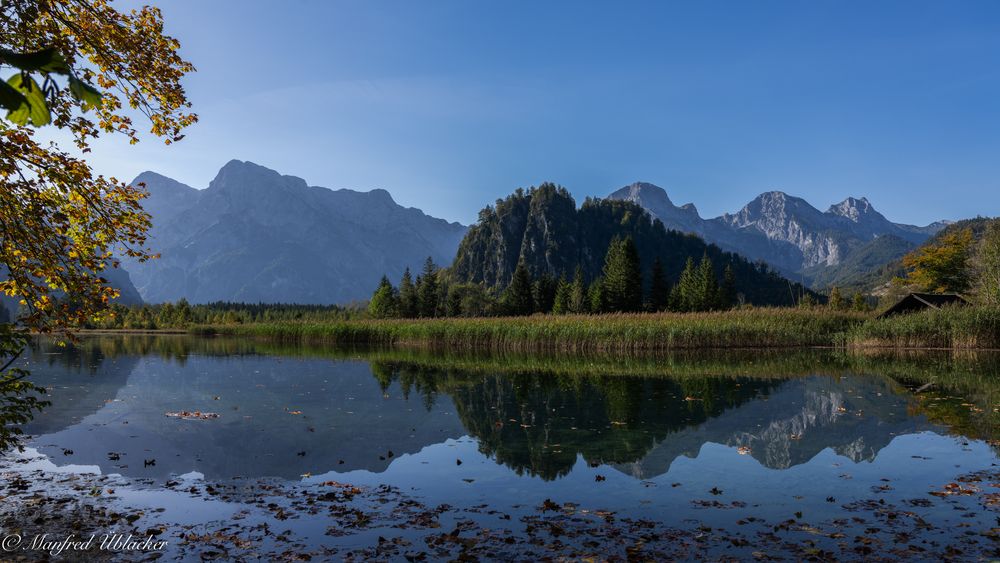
(451, 104)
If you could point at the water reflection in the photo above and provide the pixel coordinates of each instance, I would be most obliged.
(287, 412)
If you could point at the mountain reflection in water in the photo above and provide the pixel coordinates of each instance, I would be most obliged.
(285, 412)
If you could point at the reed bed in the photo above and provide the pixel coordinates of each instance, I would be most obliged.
(956, 328)
(745, 328)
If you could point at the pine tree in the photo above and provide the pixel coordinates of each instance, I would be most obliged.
(544, 293)
(578, 293)
(659, 289)
(384, 303)
(409, 306)
(708, 286)
(427, 290)
(518, 298)
(453, 301)
(683, 296)
(596, 301)
(560, 305)
(727, 290)
(622, 277)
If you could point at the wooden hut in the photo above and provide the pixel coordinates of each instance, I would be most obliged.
(914, 302)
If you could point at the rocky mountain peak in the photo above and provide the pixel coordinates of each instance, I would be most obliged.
(644, 191)
(655, 200)
(247, 176)
(855, 209)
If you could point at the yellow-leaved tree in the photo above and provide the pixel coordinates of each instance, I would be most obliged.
(941, 266)
(85, 68)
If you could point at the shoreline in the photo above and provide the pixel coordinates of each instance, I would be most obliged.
(968, 328)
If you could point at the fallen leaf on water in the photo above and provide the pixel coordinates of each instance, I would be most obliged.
(193, 415)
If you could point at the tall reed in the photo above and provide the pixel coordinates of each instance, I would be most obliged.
(750, 328)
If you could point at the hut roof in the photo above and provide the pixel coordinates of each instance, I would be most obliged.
(919, 301)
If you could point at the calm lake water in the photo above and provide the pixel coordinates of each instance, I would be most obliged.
(698, 440)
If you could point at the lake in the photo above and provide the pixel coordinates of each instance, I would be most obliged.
(409, 454)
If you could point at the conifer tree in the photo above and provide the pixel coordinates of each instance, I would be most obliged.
(578, 293)
(561, 303)
(544, 293)
(453, 301)
(384, 303)
(683, 296)
(596, 302)
(427, 290)
(622, 277)
(727, 290)
(408, 300)
(659, 289)
(708, 286)
(518, 298)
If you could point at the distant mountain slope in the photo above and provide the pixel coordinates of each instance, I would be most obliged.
(785, 231)
(544, 227)
(255, 235)
(864, 266)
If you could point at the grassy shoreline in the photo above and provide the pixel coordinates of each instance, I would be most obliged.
(753, 328)
(956, 328)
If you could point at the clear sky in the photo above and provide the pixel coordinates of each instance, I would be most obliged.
(451, 104)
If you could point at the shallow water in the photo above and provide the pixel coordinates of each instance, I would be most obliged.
(682, 441)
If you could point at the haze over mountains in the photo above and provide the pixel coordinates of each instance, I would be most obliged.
(255, 235)
(790, 234)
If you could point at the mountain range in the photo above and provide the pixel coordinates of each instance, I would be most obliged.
(254, 235)
(802, 242)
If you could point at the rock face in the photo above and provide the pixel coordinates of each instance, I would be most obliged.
(543, 227)
(256, 236)
(782, 230)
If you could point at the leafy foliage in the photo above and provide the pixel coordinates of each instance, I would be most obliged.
(384, 303)
(987, 265)
(943, 265)
(61, 225)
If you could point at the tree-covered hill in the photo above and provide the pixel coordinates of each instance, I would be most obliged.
(543, 227)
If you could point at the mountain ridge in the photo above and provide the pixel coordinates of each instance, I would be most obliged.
(783, 230)
(256, 235)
